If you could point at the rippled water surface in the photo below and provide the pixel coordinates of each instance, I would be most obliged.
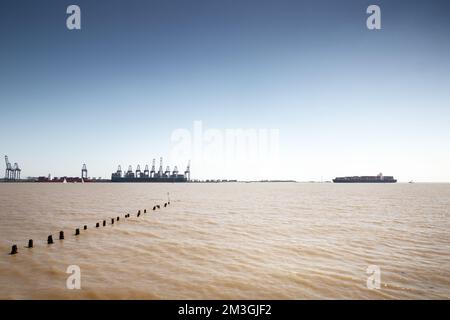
(225, 241)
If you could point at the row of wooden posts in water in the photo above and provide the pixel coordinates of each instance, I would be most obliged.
(77, 231)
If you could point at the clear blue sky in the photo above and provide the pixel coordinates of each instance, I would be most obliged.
(346, 100)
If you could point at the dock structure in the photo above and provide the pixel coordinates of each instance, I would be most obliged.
(151, 175)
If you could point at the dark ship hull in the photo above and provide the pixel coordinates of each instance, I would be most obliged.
(366, 179)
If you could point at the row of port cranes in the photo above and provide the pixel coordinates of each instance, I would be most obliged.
(152, 174)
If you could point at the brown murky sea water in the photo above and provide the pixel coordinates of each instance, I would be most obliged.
(227, 241)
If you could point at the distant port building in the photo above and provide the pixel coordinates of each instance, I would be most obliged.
(151, 175)
(366, 179)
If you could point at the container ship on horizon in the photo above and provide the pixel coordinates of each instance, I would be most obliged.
(366, 179)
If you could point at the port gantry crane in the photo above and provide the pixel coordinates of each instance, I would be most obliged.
(16, 171)
(187, 173)
(84, 172)
(138, 171)
(8, 169)
(160, 170)
(130, 172)
(12, 173)
(152, 172)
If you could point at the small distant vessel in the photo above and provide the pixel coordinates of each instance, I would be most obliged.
(366, 179)
(64, 181)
